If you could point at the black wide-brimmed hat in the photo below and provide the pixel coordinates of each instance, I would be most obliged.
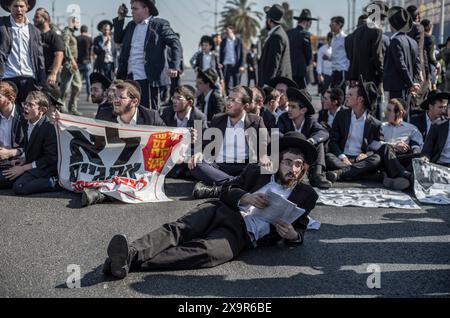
(210, 75)
(275, 13)
(400, 19)
(102, 23)
(369, 91)
(53, 93)
(305, 16)
(100, 78)
(297, 140)
(434, 96)
(282, 80)
(7, 3)
(302, 97)
(381, 4)
(151, 4)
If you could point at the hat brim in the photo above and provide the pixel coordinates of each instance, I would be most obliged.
(204, 75)
(367, 102)
(102, 23)
(280, 21)
(153, 10)
(308, 150)
(442, 95)
(408, 25)
(282, 80)
(297, 95)
(5, 4)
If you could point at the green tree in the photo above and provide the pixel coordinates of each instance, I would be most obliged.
(241, 15)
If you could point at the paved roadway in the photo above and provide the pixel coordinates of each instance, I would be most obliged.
(43, 234)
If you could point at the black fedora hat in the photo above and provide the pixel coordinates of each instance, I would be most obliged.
(434, 96)
(100, 78)
(151, 4)
(369, 91)
(275, 13)
(305, 15)
(400, 19)
(282, 80)
(302, 97)
(7, 3)
(210, 75)
(53, 93)
(381, 4)
(102, 23)
(297, 140)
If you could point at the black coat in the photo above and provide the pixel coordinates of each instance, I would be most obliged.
(322, 118)
(216, 105)
(275, 59)
(419, 119)
(214, 64)
(250, 181)
(100, 52)
(159, 36)
(300, 50)
(311, 128)
(146, 117)
(365, 52)
(436, 140)
(36, 49)
(341, 128)
(238, 49)
(402, 66)
(42, 148)
(270, 121)
(252, 62)
(169, 118)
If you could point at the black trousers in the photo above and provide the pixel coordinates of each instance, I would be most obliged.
(301, 81)
(217, 173)
(25, 85)
(210, 235)
(149, 95)
(393, 163)
(28, 183)
(338, 80)
(357, 170)
(231, 75)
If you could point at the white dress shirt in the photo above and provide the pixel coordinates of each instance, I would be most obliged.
(207, 57)
(230, 53)
(339, 60)
(324, 66)
(19, 59)
(405, 132)
(182, 123)
(207, 97)
(6, 129)
(429, 123)
(301, 126)
(108, 50)
(234, 148)
(445, 155)
(30, 129)
(136, 62)
(355, 136)
(331, 117)
(133, 121)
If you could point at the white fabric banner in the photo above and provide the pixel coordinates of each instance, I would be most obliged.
(366, 198)
(432, 183)
(128, 163)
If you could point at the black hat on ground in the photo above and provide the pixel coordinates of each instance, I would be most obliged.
(210, 75)
(305, 16)
(104, 22)
(7, 3)
(370, 93)
(151, 4)
(282, 80)
(275, 13)
(302, 97)
(434, 96)
(53, 93)
(400, 19)
(100, 78)
(298, 140)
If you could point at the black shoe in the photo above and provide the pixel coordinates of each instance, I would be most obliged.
(319, 181)
(107, 267)
(120, 257)
(91, 197)
(397, 184)
(202, 191)
(333, 176)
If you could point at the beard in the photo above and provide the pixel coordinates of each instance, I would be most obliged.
(289, 180)
(127, 109)
(267, 26)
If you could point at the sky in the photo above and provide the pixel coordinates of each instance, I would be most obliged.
(194, 18)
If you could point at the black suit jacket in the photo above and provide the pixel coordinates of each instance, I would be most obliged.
(436, 140)
(365, 52)
(275, 58)
(169, 118)
(214, 64)
(146, 117)
(17, 133)
(42, 148)
(301, 50)
(251, 180)
(270, 121)
(341, 128)
(36, 49)
(402, 65)
(239, 50)
(419, 119)
(323, 115)
(159, 36)
(311, 128)
(216, 105)
(100, 52)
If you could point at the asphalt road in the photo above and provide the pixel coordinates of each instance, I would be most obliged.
(42, 235)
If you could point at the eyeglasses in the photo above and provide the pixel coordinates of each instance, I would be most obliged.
(117, 97)
(28, 105)
(179, 98)
(230, 100)
(290, 163)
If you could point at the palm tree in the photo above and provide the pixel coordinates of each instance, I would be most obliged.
(240, 14)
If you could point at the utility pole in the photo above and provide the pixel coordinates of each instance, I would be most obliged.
(53, 10)
(349, 7)
(441, 35)
(318, 26)
(216, 14)
(354, 15)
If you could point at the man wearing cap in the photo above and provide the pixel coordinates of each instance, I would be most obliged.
(21, 55)
(216, 232)
(299, 118)
(143, 53)
(402, 65)
(300, 45)
(281, 84)
(105, 49)
(275, 58)
(53, 45)
(11, 122)
(355, 136)
(99, 86)
(434, 108)
(210, 102)
(339, 60)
